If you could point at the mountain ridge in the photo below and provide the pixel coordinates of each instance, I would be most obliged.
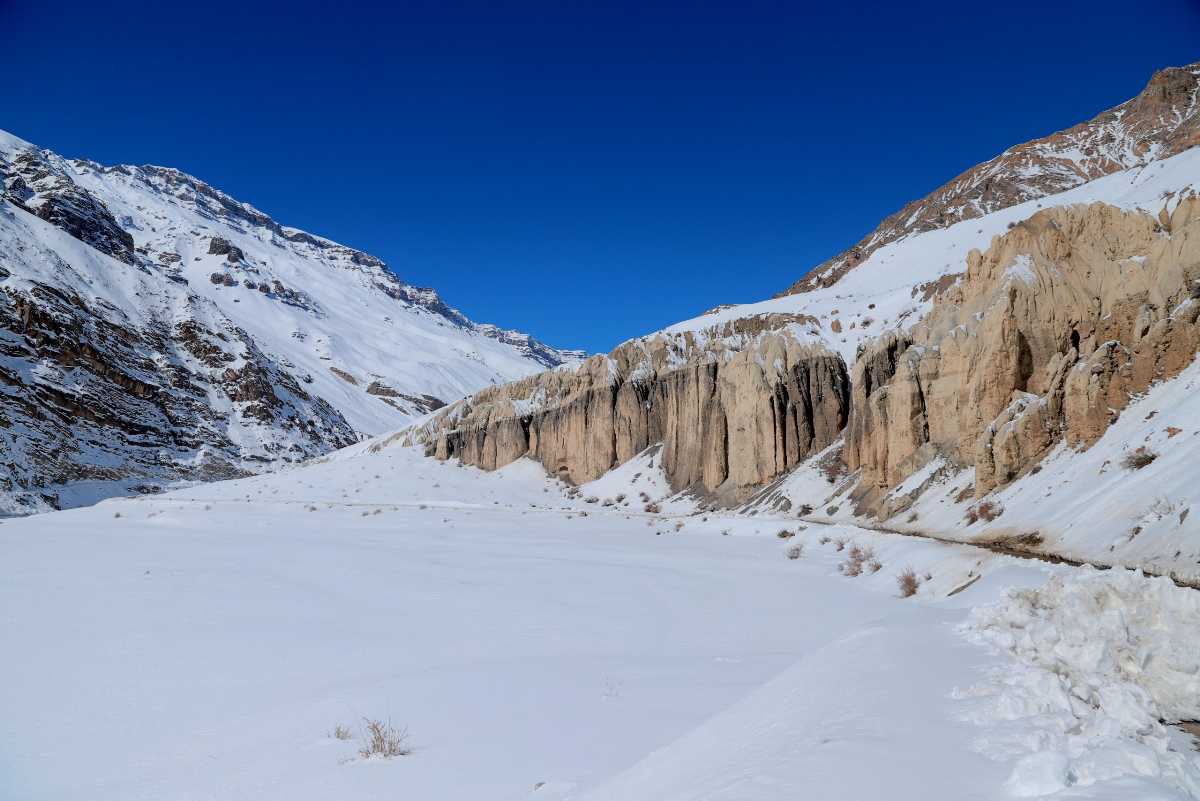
(1160, 121)
(157, 329)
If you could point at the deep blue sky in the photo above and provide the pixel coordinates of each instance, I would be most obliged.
(585, 172)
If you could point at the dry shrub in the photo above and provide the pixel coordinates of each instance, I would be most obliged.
(986, 511)
(652, 508)
(989, 511)
(824, 540)
(839, 545)
(1137, 459)
(341, 732)
(795, 552)
(965, 494)
(856, 559)
(382, 740)
(908, 583)
(805, 510)
(784, 534)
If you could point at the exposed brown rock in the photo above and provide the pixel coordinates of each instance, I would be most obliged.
(1047, 336)
(730, 417)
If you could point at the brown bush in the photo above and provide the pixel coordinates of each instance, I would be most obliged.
(1137, 459)
(986, 511)
(382, 740)
(784, 534)
(805, 510)
(857, 557)
(908, 583)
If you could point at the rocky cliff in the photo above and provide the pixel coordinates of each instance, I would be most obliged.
(1161, 121)
(733, 408)
(1047, 336)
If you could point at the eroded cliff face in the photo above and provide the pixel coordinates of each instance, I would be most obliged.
(733, 408)
(1045, 338)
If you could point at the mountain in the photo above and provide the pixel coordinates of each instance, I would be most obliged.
(154, 329)
(1163, 120)
(944, 383)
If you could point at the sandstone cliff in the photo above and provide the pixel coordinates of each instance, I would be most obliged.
(733, 408)
(1046, 337)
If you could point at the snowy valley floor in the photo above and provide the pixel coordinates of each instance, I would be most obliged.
(204, 645)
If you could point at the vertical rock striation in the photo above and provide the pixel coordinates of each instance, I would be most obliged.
(1045, 338)
(732, 409)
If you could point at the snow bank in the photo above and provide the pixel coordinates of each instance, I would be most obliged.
(1102, 659)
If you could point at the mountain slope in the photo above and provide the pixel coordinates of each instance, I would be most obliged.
(1163, 120)
(156, 329)
(977, 354)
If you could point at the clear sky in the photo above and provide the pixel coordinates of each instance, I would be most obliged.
(585, 172)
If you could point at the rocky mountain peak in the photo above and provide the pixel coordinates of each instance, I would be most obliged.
(1161, 121)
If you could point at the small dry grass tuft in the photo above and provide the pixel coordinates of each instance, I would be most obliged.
(805, 510)
(908, 583)
(652, 508)
(1137, 459)
(795, 552)
(856, 559)
(382, 740)
(784, 534)
(341, 732)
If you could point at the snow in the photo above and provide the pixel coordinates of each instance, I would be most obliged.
(889, 279)
(1021, 270)
(1102, 660)
(205, 643)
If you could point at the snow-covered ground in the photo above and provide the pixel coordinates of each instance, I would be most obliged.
(204, 644)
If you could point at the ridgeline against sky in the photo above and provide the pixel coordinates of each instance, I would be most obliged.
(581, 173)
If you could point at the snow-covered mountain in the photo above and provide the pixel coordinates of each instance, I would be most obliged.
(1161, 121)
(154, 328)
(957, 367)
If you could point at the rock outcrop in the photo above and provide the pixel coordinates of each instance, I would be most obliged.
(1045, 338)
(1162, 120)
(35, 182)
(732, 409)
